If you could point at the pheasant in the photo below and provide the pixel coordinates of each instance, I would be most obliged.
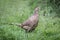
(31, 23)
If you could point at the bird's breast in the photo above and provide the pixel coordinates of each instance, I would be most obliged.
(33, 18)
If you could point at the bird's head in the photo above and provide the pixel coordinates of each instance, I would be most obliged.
(36, 10)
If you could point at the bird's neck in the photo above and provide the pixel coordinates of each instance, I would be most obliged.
(35, 12)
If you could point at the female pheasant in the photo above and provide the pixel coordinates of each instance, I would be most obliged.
(31, 23)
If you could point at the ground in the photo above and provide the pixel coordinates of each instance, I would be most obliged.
(17, 11)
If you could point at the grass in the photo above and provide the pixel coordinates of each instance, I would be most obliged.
(17, 11)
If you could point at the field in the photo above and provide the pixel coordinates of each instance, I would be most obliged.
(17, 11)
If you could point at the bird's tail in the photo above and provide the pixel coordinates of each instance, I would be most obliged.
(17, 24)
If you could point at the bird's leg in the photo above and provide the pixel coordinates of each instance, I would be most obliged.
(29, 29)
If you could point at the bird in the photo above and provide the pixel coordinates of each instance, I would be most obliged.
(31, 23)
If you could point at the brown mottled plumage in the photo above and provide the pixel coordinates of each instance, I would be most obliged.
(31, 23)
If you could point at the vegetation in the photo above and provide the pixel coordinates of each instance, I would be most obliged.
(17, 11)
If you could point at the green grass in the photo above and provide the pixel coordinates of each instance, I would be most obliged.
(17, 11)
